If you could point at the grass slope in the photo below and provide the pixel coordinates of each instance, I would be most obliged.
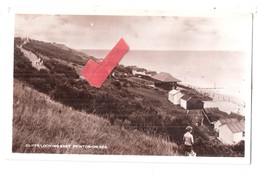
(39, 120)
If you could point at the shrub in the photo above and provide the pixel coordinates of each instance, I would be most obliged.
(117, 84)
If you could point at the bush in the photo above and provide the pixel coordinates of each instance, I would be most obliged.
(117, 84)
(52, 51)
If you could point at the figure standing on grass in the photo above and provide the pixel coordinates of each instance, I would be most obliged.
(188, 142)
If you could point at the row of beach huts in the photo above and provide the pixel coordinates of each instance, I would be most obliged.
(229, 127)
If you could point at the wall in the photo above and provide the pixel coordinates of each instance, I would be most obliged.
(175, 98)
(197, 105)
(237, 137)
(225, 135)
(183, 103)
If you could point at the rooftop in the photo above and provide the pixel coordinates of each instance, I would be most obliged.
(236, 127)
(186, 97)
(228, 120)
(236, 115)
(165, 77)
(211, 110)
(194, 100)
(173, 92)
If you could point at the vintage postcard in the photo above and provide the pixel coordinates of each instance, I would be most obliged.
(172, 85)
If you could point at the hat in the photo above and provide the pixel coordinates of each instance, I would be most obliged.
(188, 128)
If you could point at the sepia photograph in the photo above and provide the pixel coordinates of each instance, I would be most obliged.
(143, 85)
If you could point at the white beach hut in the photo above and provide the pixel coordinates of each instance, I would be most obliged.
(174, 96)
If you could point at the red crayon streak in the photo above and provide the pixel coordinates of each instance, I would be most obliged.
(97, 72)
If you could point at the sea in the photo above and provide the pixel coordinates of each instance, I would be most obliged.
(220, 72)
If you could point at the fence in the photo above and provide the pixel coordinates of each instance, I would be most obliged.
(216, 96)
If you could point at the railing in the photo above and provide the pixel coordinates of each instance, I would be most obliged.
(212, 92)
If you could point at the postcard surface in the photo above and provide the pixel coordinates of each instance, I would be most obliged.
(181, 88)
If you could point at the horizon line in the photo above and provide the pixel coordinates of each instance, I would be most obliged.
(167, 50)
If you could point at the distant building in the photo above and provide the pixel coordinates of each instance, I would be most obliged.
(232, 133)
(150, 73)
(138, 71)
(165, 81)
(143, 72)
(189, 102)
(174, 96)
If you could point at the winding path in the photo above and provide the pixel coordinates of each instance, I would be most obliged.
(33, 58)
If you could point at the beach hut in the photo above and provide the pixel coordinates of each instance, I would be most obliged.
(189, 102)
(232, 133)
(223, 121)
(194, 103)
(184, 101)
(174, 96)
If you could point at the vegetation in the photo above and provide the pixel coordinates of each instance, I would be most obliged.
(40, 125)
(122, 100)
(53, 51)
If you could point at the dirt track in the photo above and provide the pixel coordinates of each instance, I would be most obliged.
(33, 58)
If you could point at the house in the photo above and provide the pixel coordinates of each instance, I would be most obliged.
(212, 115)
(232, 133)
(223, 121)
(165, 81)
(189, 102)
(196, 116)
(143, 72)
(174, 96)
(138, 71)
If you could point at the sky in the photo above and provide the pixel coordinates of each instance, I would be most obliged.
(101, 32)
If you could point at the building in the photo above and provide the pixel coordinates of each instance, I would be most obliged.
(150, 73)
(165, 81)
(232, 133)
(189, 102)
(138, 71)
(194, 103)
(143, 72)
(223, 121)
(212, 115)
(184, 100)
(174, 96)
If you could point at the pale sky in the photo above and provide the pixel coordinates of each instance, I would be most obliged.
(231, 32)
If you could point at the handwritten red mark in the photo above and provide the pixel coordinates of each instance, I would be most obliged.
(97, 72)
